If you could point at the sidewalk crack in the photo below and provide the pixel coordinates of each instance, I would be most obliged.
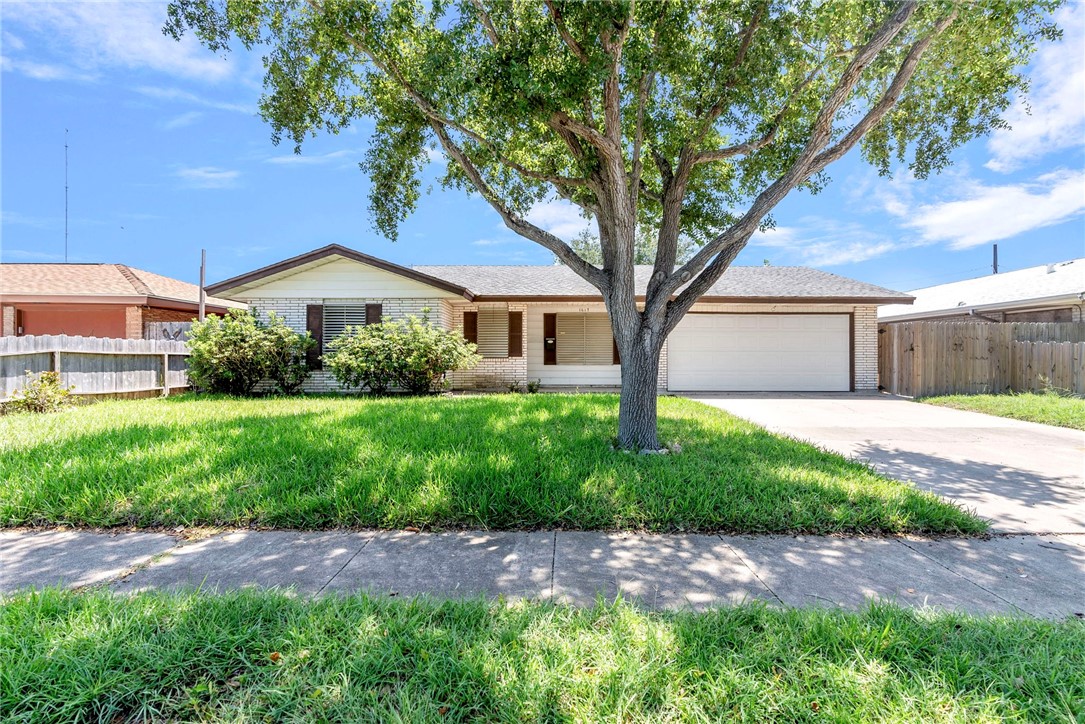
(963, 577)
(743, 561)
(342, 567)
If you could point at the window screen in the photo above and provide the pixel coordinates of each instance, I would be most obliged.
(337, 317)
(493, 331)
(584, 339)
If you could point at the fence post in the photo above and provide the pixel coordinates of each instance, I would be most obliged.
(56, 361)
(165, 374)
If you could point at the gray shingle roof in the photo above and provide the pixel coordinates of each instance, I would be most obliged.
(746, 282)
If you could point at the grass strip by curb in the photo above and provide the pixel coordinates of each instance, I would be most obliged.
(268, 656)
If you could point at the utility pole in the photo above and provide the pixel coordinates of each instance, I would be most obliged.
(994, 262)
(203, 294)
(65, 195)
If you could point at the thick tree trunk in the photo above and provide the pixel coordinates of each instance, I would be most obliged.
(637, 407)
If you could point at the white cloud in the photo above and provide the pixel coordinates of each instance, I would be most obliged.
(1057, 99)
(41, 71)
(209, 177)
(26, 255)
(824, 242)
(560, 218)
(183, 96)
(491, 242)
(185, 119)
(12, 42)
(990, 213)
(124, 34)
(296, 159)
(15, 218)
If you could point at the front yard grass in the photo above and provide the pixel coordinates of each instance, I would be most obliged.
(1048, 409)
(498, 461)
(267, 656)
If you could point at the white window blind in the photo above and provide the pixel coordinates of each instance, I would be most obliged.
(493, 331)
(584, 339)
(337, 317)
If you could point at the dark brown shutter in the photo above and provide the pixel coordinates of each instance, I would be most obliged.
(470, 327)
(617, 358)
(314, 322)
(373, 313)
(550, 332)
(516, 334)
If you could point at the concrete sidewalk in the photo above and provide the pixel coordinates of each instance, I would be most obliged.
(1040, 576)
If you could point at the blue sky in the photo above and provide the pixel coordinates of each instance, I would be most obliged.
(167, 156)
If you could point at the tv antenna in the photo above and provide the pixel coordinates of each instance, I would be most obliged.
(65, 195)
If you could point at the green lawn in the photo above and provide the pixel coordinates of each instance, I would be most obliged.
(265, 656)
(499, 461)
(1048, 409)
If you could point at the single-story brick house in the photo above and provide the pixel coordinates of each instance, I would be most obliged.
(758, 328)
(94, 300)
(1047, 293)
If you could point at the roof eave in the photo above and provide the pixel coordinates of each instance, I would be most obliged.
(707, 298)
(1021, 304)
(128, 300)
(224, 287)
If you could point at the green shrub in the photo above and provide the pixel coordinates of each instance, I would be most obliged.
(233, 354)
(41, 393)
(286, 354)
(410, 353)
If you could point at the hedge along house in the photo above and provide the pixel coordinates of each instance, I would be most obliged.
(757, 329)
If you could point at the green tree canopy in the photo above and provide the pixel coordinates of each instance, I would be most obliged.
(690, 118)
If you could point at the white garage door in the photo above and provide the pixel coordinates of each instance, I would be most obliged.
(760, 352)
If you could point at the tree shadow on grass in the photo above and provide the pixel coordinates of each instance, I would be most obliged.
(499, 462)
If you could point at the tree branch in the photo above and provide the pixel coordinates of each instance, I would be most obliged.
(745, 227)
(487, 23)
(732, 76)
(888, 100)
(644, 88)
(429, 110)
(513, 220)
(559, 23)
(743, 149)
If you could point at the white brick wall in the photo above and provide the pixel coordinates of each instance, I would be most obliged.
(493, 373)
(498, 373)
(293, 312)
(866, 348)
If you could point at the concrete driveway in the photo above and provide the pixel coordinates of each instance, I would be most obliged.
(1023, 477)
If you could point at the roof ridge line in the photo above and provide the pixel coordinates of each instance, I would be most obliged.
(138, 284)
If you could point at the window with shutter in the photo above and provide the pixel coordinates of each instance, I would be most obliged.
(337, 317)
(584, 339)
(493, 331)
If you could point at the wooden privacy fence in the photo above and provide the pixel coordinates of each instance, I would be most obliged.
(919, 359)
(177, 331)
(95, 365)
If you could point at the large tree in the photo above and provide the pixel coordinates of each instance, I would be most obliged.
(693, 118)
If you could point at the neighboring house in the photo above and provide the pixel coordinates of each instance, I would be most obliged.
(1049, 293)
(758, 328)
(94, 300)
